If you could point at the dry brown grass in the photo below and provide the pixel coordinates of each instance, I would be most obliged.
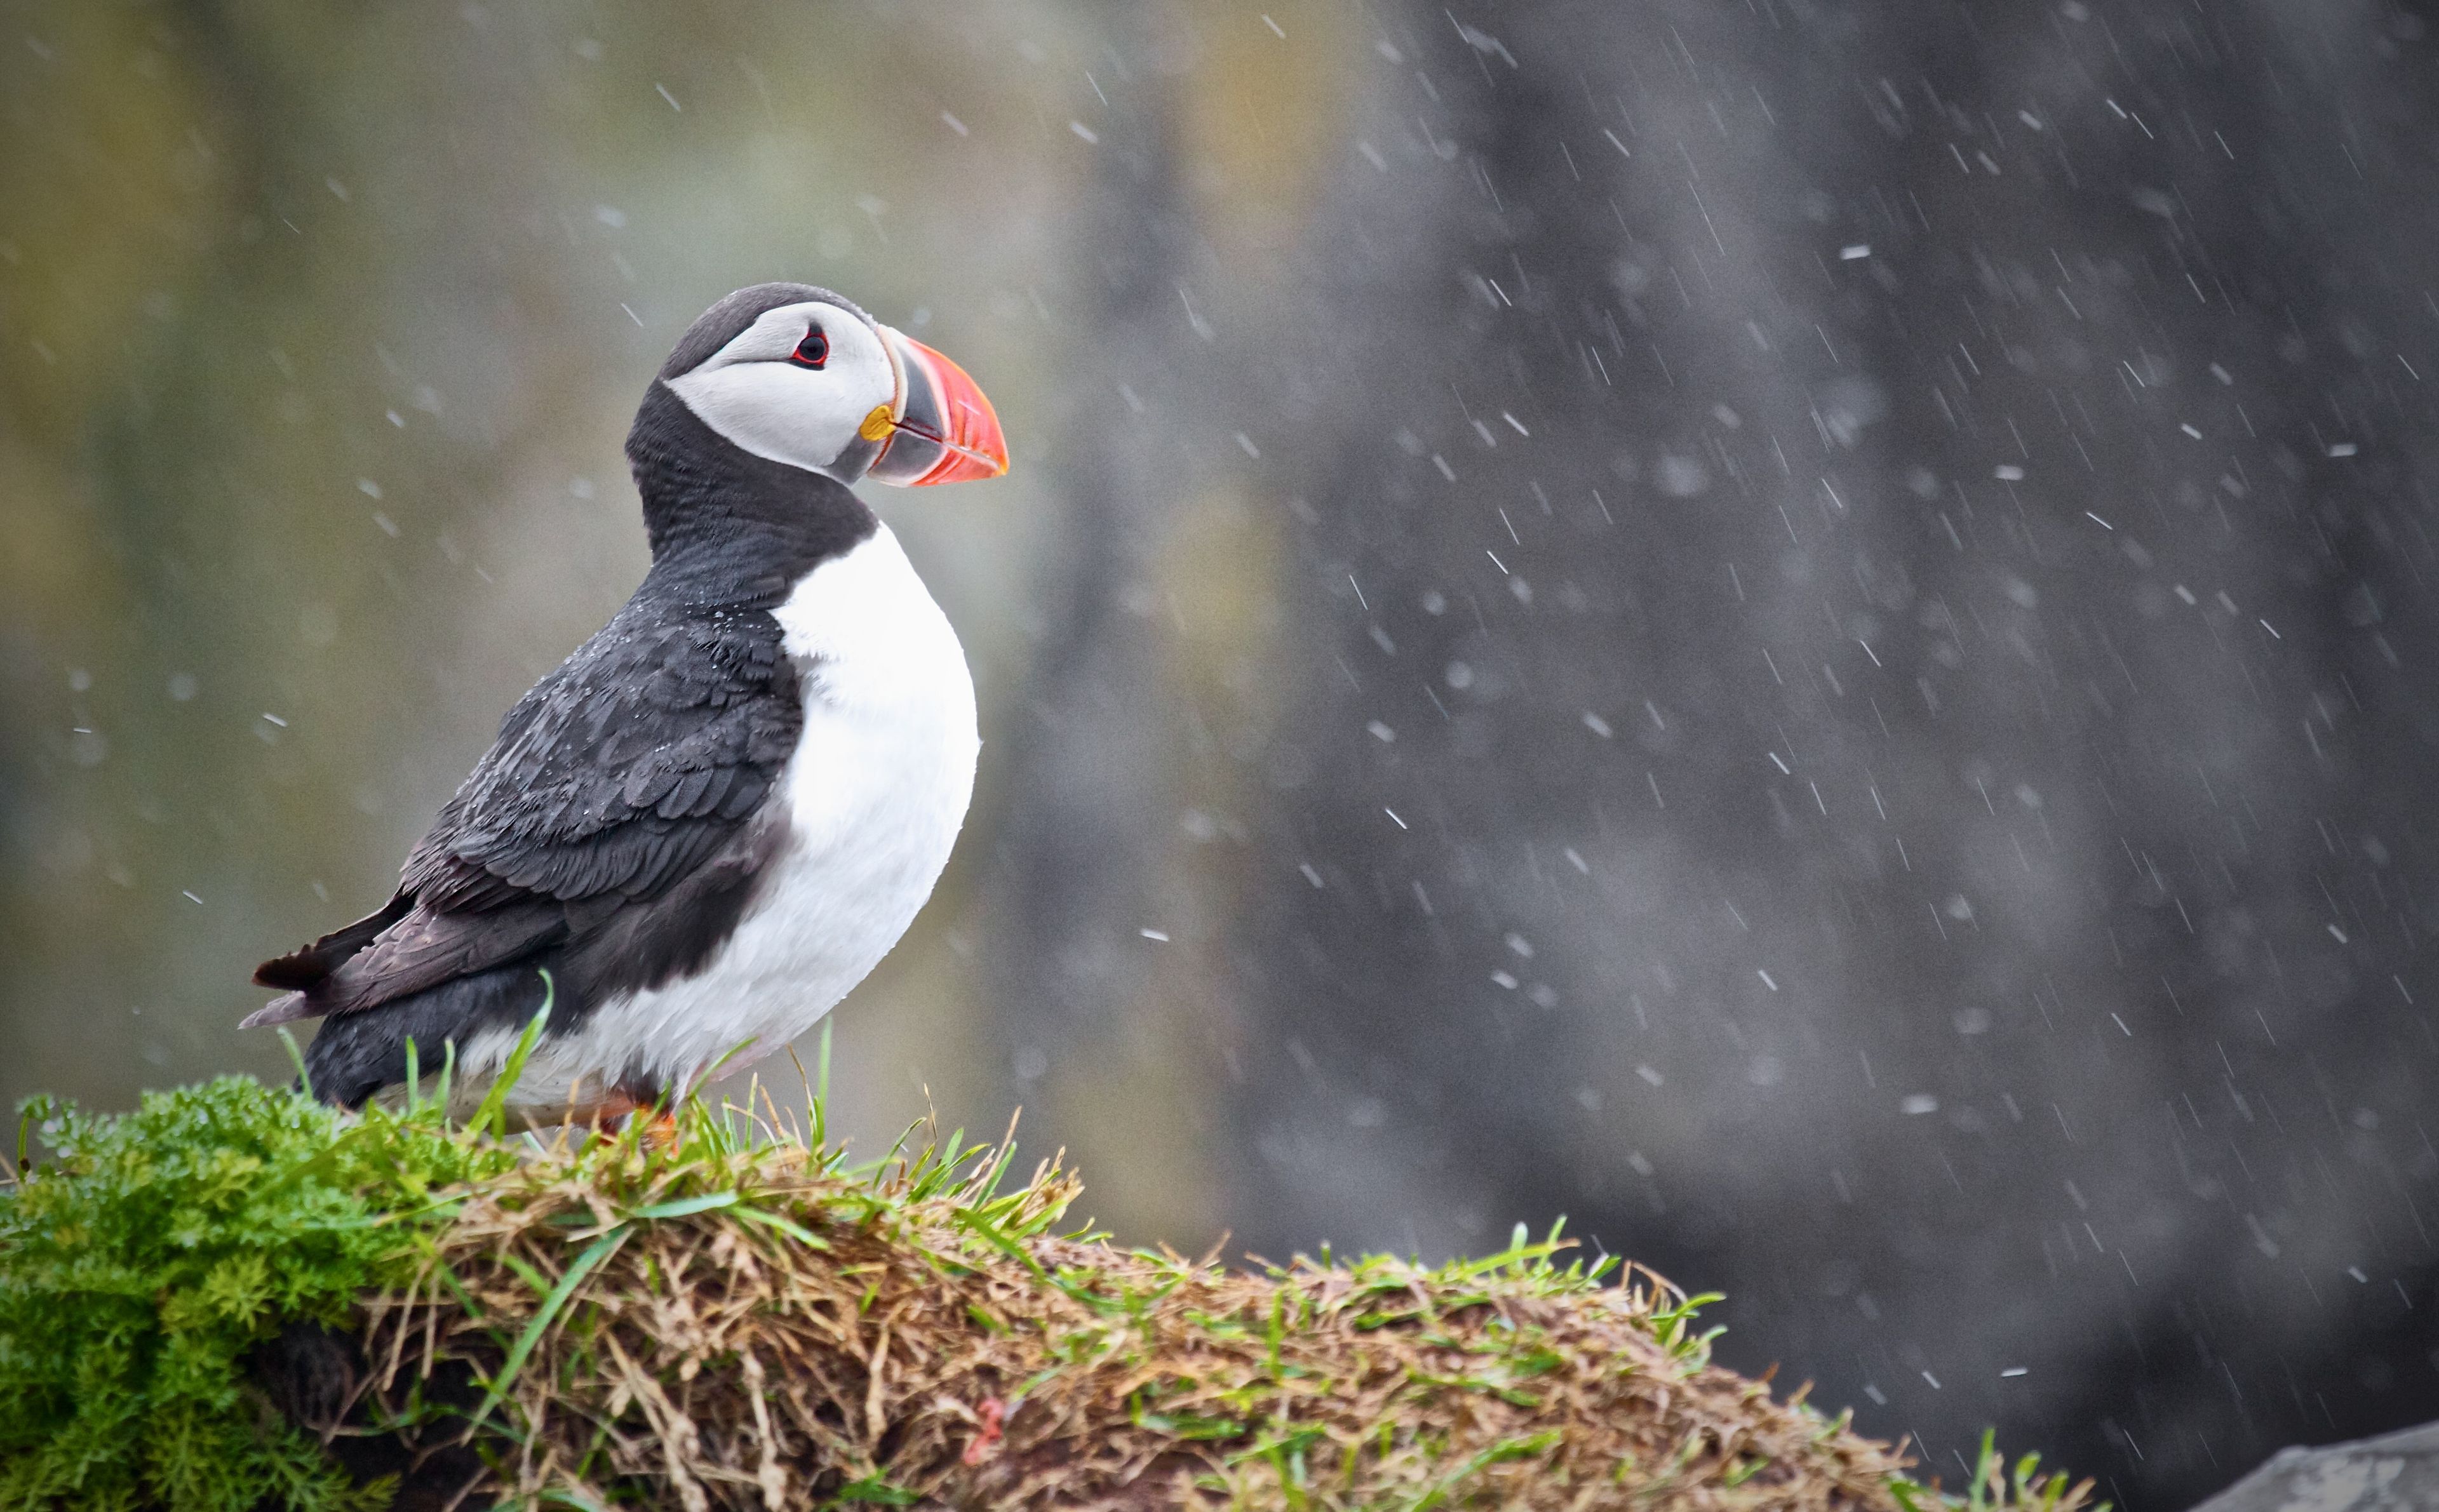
(748, 1324)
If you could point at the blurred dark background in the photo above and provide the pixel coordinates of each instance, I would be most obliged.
(1798, 630)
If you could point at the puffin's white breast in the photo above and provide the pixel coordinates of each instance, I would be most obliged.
(874, 795)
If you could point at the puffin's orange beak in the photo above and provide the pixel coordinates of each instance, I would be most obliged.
(943, 429)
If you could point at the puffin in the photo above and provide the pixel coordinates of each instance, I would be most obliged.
(711, 821)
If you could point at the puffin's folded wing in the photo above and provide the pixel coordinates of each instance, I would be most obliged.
(622, 772)
(620, 775)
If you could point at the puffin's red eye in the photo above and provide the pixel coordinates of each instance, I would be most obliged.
(812, 351)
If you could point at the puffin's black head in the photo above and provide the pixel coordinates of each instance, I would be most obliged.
(799, 376)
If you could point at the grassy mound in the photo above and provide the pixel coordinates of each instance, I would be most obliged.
(232, 1298)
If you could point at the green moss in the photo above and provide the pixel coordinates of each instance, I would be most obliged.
(154, 1249)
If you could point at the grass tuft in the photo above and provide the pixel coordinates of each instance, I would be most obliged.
(747, 1320)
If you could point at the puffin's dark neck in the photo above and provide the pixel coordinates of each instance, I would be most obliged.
(729, 528)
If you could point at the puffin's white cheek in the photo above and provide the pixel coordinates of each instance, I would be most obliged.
(775, 410)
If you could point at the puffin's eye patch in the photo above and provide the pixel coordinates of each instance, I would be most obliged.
(812, 351)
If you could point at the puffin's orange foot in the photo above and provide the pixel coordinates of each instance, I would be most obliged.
(617, 1114)
(659, 1133)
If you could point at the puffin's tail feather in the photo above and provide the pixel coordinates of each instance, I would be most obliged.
(301, 970)
(286, 1008)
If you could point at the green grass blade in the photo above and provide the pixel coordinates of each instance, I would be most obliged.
(599, 1250)
(789, 1227)
(296, 1058)
(726, 1056)
(821, 1072)
(448, 1076)
(493, 1114)
(684, 1207)
(34, 1111)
